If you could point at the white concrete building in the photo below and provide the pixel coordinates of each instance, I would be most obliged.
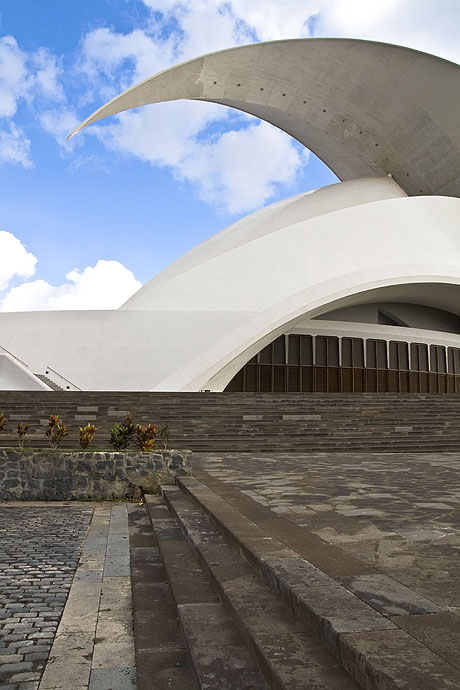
(355, 286)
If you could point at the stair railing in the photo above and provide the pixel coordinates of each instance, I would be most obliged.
(60, 380)
(14, 356)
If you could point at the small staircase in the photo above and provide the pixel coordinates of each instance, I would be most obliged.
(264, 604)
(51, 384)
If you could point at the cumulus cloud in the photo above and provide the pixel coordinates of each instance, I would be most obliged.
(23, 78)
(15, 260)
(14, 145)
(58, 123)
(104, 286)
(241, 169)
(178, 134)
(13, 76)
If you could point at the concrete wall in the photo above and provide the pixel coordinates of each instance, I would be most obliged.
(15, 377)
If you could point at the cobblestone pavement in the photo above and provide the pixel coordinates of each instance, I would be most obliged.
(399, 512)
(39, 552)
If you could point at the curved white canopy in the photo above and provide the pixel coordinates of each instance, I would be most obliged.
(366, 109)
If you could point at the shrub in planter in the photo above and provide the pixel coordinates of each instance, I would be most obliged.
(145, 436)
(56, 431)
(87, 434)
(121, 434)
(22, 429)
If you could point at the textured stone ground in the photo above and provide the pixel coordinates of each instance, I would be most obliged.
(78, 556)
(398, 512)
(39, 552)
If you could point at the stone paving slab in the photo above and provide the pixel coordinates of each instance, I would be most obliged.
(94, 645)
(387, 512)
(39, 553)
(381, 509)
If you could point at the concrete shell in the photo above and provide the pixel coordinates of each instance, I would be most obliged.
(366, 109)
(193, 326)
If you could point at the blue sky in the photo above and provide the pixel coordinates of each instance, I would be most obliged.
(84, 223)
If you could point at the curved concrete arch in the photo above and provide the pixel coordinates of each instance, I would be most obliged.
(194, 329)
(310, 267)
(263, 329)
(366, 109)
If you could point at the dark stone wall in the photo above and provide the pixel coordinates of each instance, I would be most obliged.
(67, 476)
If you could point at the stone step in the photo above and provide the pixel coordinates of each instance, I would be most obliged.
(162, 659)
(220, 658)
(51, 384)
(290, 656)
(347, 604)
(250, 422)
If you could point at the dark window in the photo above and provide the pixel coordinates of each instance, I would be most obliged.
(399, 356)
(376, 354)
(418, 357)
(306, 350)
(352, 352)
(279, 350)
(266, 355)
(438, 359)
(327, 351)
(454, 360)
(294, 349)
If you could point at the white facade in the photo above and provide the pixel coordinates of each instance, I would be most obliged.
(283, 269)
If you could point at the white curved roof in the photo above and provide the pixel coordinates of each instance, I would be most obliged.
(196, 326)
(366, 109)
(273, 218)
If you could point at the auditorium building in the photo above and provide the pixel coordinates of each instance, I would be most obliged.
(352, 287)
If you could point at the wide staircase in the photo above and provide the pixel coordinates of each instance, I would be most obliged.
(248, 422)
(231, 596)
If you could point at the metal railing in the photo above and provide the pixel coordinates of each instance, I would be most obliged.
(60, 380)
(14, 356)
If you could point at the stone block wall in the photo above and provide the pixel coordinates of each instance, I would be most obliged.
(66, 476)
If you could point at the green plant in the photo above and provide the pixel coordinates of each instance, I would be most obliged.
(87, 434)
(22, 429)
(145, 436)
(2, 421)
(56, 431)
(121, 434)
(164, 436)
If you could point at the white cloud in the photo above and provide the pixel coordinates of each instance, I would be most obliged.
(46, 73)
(15, 260)
(113, 61)
(58, 123)
(14, 146)
(104, 286)
(177, 134)
(13, 75)
(23, 78)
(241, 169)
(26, 75)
